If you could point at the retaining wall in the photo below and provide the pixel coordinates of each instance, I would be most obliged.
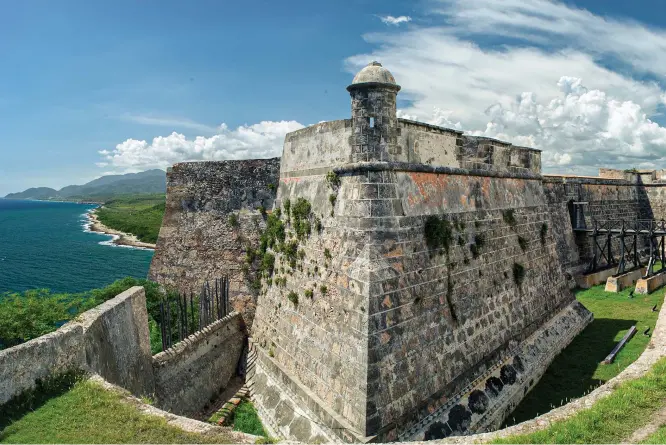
(117, 341)
(196, 370)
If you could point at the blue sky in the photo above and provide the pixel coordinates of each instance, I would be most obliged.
(80, 77)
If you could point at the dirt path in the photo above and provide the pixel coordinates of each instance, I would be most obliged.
(657, 419)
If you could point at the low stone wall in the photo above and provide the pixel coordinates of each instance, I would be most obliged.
(196, 370)
(55, 353)
(117, 341)
(111, 340)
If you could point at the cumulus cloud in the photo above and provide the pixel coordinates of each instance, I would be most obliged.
(390, 20)
(262, 140)
(583, 88)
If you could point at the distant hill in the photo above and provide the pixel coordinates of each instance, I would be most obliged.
(34, 193)
(151, 181)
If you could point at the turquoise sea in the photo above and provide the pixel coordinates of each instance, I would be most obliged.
(46, 245)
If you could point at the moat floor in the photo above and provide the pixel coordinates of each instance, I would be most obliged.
(578, 369)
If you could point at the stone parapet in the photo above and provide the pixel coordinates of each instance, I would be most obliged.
(194, 371)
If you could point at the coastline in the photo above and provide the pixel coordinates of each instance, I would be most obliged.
(119, 238)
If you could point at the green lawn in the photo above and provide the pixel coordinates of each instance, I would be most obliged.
(611, 419)
(140, 215)
(87, 413)
(578, 368)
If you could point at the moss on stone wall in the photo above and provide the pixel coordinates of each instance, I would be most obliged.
(438, 233)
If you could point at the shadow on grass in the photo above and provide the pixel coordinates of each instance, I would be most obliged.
(34, 398)
(571, 374)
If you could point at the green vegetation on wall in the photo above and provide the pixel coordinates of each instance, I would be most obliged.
(543, 232)
(509, 217)
(518, 274)
(438, 233)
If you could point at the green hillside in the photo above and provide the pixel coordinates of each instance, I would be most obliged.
(34, 193)
(140, 215)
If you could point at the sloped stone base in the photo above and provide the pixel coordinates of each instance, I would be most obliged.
(290, 410)
(490, 399)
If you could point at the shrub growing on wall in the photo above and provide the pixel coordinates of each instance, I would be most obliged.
(518, 274)
(437, 232)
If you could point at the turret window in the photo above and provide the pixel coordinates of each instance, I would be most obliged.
(372, 122)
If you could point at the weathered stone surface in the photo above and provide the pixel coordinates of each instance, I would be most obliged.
(198, 241)
(51, 354)
(117, 341)
(403, 328)
(196, 370)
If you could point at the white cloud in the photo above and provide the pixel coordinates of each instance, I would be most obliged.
(390, 20)
(168, 122)
(567, 81)
(262, 140)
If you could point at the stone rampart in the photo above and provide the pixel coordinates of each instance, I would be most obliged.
(196, 370)
(604, 199)
(655, 350)
(213, 214)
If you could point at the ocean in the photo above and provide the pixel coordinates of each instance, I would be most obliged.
(47, 245)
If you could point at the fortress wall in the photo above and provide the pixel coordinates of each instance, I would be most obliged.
(657, 196)
(401, 329)
(320, 343)
(608, 199)
(197, 240)
(317, 146)
(427, 144)
(196, 370)
(439, 320)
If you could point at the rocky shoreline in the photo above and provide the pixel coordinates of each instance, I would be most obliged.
(119, 238)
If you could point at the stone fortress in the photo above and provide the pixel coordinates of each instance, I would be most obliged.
(400, 281)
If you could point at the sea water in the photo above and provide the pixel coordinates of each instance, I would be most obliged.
(48, 245)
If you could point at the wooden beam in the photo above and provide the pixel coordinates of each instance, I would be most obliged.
(610, 357)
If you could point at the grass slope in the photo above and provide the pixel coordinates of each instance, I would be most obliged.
(611, 419)
(578, 368)
(247, 420)
(88, 413)
(140, 215)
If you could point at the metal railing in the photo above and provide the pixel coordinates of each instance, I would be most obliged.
(182, 315)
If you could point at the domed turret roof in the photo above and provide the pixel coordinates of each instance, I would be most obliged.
(374, 73)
